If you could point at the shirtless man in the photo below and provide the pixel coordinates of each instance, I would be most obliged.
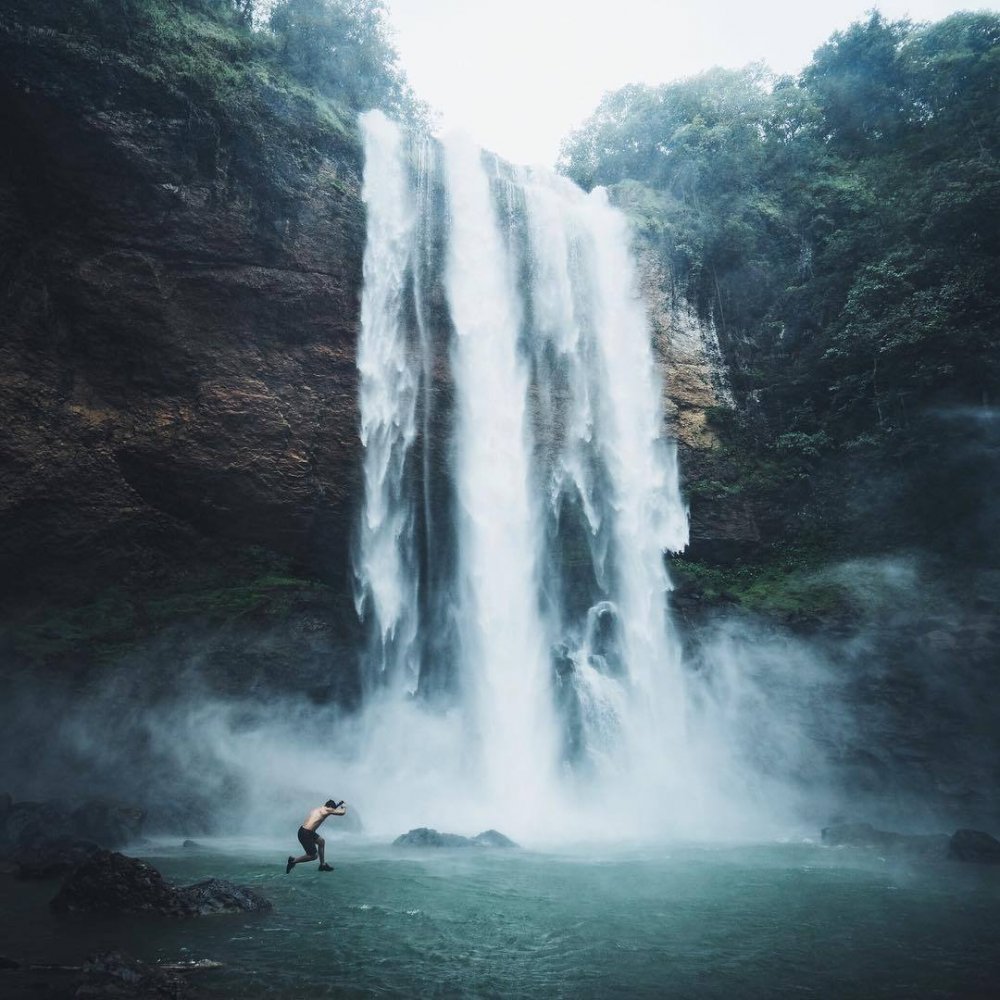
(310, 839)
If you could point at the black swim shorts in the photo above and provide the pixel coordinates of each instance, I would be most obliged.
(308, 838)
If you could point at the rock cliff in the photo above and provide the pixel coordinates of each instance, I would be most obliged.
(180, 300)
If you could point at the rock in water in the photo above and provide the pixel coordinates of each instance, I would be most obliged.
(493, 838)
(111, 883)
(423, 836)
(931, 846)
(215, 895)
(113, 975)
(974, 846)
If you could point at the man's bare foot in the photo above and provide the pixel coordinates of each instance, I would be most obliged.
(290, 865)
(326, 868)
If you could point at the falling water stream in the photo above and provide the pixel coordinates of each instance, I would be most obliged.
(520, 494)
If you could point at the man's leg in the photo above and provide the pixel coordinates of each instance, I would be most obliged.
(292, 862)
(323, 866)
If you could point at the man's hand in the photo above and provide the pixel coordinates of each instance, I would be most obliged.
(341, 810)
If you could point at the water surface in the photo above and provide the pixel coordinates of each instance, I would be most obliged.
(681, 921)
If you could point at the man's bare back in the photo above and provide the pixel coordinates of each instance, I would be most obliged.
(320, 813)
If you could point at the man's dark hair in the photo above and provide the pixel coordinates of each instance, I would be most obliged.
(330, 804)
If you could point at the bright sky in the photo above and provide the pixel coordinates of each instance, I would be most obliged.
(520, 74)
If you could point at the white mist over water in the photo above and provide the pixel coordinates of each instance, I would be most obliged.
(565, 686)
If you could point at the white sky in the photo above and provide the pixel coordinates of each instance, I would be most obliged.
(520, 74)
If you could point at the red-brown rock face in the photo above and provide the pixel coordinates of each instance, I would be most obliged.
(179, 308)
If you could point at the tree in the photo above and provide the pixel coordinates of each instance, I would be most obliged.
(343, 48)
(858, 81)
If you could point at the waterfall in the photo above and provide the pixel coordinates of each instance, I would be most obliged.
(502, 329)
(385, 568)
(504, 644)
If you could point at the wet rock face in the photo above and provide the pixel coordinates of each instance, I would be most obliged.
(179, 318)
(112, 884)
(695, 383)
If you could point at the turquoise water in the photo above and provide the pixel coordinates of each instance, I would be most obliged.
(777, 920)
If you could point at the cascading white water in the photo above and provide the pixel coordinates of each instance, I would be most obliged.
(504, 643)
(649, 516)
(384, 567)
(616, 464)
(563, 500)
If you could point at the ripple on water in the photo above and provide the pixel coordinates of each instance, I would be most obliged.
(748, 923)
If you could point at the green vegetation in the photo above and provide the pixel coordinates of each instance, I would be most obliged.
(788, 582)
(255, 590)
(332, 55)
(843, 231)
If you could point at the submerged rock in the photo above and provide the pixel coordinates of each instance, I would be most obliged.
(111, 883)
(425, 837)
(112, 974)
(974, 846)
(216, 895)
(493, 838)
(930, 846)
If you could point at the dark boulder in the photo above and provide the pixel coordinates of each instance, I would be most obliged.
(425, 837)
(113, 975)
(974, 846)
(110, 883)
(51, 858)
(214, 895)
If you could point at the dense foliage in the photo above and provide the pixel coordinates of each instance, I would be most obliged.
(340, 49)
(842, 228)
